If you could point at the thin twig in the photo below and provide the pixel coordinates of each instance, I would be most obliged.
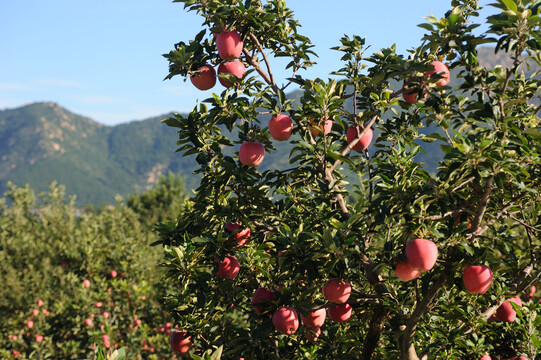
(271, 77)
(469, 180)
(525, 224)
(253, 61)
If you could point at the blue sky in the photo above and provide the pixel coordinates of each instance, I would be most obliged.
(102, 58)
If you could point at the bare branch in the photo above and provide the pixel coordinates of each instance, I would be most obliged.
(469, 180)
(271, 77)
(253, 61)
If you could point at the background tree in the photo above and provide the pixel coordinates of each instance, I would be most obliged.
(76, 281)
(308, 224)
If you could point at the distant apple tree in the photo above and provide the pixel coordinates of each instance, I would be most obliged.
(355, 250)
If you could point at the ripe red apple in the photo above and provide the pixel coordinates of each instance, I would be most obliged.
(86, 283)
(39, 338)
(337, 291)
(340, 313)
(180, 342)
(231, 67)
(285, 320)
(88, 322)
(486, 357)
(315, 318)
(477, 278)
(251, 153)
(30, 324)
(404, 272)
(40, 302)
(317, 126)
(363, 143)
(260, 299)
(229, 45)
(113, 273)
(238, 236)
(440, 68)
(421, 254)
(505, 312)
(205, 78)
(411, 94)
(313, 333)
(280, 127)
(229, 268)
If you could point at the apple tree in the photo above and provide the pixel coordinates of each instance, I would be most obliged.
(318, 231)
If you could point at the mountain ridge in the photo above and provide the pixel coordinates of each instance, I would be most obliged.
(44, 142)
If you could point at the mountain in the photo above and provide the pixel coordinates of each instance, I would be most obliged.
(43, 142)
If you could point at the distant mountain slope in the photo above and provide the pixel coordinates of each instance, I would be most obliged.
(43, 142)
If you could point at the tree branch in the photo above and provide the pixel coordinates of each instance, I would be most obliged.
(482, 205)
(407, 346)
(271, 77)
(253, 61)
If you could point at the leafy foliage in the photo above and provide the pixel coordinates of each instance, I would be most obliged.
(56, 273)
(480, 206)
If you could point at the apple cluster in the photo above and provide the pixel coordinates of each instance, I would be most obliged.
(229, 46)
(286, 319)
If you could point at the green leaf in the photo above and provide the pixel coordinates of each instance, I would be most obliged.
(216, 355)
(510, 4)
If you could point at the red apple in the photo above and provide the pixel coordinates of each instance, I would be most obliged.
(86, 283)
(363, 143)
(205, 78)
(229, 45)
(486, 357)
(88, 322)
(337, 291)
(229, 268)
(231, 67)
(516, 300)
(251, 153)
(440, 68)
(315, 318)
(317, 126)
(313, 333)
(280, 127)
(260, 299)
(505, 312)
(340, 313)
(113, 273)
(30, 324)
(40, 302)
(421, 254)
(404, 272)
(285, 320)
(477, 278)
(411, 94)
(39, 338)
(239, 237)
(180, 342)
